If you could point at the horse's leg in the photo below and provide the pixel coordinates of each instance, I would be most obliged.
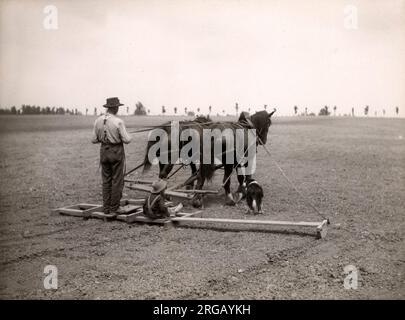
(241, 192)
(227, 185)
(198, 198)
(247, 178)
(193, 168)
(193, 172)
(165, 169)
(161, 169)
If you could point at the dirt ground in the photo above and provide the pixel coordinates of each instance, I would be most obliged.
(351, 169)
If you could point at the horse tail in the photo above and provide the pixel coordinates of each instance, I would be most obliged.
(146, 162)
(207, 171)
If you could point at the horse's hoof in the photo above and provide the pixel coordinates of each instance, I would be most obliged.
(238, 197)
(242, 192)
(229, 201)
(257, 212)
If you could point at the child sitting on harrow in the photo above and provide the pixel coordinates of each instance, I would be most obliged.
(154, 206)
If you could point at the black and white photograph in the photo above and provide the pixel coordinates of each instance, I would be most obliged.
(205, 150)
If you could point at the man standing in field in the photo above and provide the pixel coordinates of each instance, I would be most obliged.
(110, 131)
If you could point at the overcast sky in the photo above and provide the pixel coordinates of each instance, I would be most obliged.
(200, 53)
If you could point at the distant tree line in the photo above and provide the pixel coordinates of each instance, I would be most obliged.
(141, 110)
(28, 109)
(325, 111)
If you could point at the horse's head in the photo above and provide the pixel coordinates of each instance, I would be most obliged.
(262, 121)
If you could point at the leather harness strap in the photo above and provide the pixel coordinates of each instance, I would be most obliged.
(251, 125)
(246, 124)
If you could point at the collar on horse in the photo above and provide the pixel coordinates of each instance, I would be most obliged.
(247, 123)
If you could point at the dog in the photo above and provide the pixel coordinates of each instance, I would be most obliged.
(254, 196)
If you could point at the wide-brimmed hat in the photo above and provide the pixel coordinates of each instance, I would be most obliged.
(113, 102)
(158, 186)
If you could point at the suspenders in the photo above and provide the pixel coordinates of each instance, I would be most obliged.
(105, 137)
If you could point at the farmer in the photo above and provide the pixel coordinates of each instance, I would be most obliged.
(154, 206)
(110, 131)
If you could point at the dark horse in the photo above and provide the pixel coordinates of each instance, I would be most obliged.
(260, 122)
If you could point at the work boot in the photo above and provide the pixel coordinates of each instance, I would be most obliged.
(110, 216)
(118, 211)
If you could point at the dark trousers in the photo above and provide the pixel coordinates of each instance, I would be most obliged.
(112, 158)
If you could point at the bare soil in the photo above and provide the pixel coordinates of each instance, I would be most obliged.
(352, 170)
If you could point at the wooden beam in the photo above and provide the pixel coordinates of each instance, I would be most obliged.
(130, 208)
(129, 218)
(186, 214)
(134, 201)
(71, 212)
(85, 206)
(146, 188)
(87, 213)
(179, 194)
(79, 210)
(246, 221)
(197, 191)
(140, 181)
(143, 219)
(86, 210)
(322, 229)
(101, 215)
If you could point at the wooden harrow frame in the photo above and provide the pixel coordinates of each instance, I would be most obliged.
(134, 214)
(133, 211)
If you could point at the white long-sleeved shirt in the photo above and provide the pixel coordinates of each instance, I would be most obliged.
(113, 131)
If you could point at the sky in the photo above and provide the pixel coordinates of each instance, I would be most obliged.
(199, 53)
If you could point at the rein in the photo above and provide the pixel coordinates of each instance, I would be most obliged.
(292, 184)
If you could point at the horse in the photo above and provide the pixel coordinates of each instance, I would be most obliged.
(260, 121)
